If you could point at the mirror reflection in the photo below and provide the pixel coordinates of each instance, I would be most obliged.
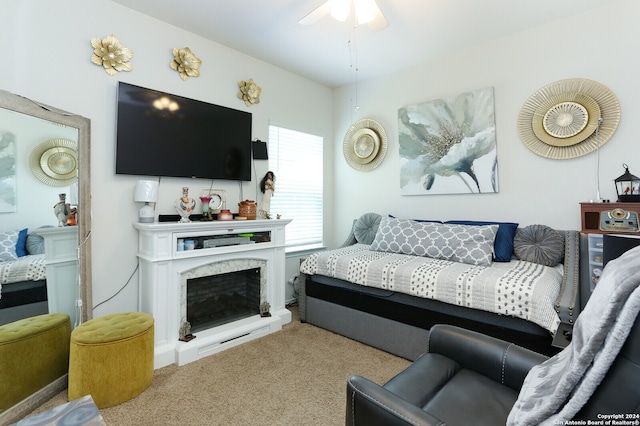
(45, 232)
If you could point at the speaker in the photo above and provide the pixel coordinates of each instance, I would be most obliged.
(259, 149)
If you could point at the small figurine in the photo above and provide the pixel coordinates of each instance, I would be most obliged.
(264, 309)
(185, 332)
(267, 187)
(62, 210)
(185, 205)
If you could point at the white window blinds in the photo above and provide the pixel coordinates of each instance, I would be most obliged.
(296, 160)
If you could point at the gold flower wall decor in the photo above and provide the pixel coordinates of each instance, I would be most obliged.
(249, 92)
(186, 63)
(110, 54)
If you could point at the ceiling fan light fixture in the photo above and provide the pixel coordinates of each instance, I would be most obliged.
(340, 9)
(365, 10)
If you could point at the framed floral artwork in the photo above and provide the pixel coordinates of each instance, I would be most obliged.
(7, 172)
(448, 146)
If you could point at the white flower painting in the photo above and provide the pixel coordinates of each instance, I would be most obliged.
(7, 173)
(448, 146)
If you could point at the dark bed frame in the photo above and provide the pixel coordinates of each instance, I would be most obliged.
(399, 323)
(22, 300)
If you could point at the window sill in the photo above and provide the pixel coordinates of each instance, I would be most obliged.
(303, 250)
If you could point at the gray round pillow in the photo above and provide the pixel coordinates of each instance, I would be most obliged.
(539, 244)
(366, 227)
(35, 242)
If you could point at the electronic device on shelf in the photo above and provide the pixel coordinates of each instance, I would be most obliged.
(619, 220)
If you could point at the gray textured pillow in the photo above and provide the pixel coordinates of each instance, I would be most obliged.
(457, 243)
(35, 242)
(539, 244)
(366, 227)
(8, 240)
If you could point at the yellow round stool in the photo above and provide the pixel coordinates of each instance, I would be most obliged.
(33, 353)
(111, 358)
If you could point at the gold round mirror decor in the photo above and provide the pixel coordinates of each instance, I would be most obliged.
(55, 162)
(560, 120)
(365, 145)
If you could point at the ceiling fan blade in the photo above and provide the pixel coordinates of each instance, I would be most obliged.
(316, 14)
(379, 22)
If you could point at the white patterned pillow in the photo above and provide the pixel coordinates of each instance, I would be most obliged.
(457, 243)
(8, 240)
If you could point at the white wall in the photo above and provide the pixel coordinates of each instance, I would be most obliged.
(601, 45)
(46, 56)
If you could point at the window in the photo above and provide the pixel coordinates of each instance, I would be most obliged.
(296, 160)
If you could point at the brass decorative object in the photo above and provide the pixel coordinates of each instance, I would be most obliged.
(111, 55)
(562, 120)
(249, 92)
(186, 63)
(365, 145)
(55, 162)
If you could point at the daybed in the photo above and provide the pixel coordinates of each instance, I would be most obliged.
(393, 279)
(23, 289)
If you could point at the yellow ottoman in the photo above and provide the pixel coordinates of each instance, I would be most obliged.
(111, 358)
(33, 353)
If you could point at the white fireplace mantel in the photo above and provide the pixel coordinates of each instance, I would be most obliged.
(61, 254)
(161, 268)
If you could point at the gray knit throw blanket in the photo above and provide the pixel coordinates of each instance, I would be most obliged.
(554, 391)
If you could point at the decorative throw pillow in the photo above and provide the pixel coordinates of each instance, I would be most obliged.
(21, 244)
(503, 246)
(366, 227)
(539, 244)
(35, 243)
(8, 240)
(458, 243)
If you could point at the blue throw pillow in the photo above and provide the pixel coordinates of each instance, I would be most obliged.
(21, 244)
(503, 245)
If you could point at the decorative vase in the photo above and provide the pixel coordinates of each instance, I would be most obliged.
(185, 205)
(62, 210)
(225, 215)
(247, 209)
(206, 212)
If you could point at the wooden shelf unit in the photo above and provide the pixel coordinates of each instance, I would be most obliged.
(591, 215)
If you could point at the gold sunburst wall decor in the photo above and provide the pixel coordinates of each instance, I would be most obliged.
(569, 118)
(249, 92)
(111, 55)
(186, 63)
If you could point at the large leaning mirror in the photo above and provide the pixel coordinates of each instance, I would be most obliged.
(27, 200)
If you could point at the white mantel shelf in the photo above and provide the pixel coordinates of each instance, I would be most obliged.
(161, 267)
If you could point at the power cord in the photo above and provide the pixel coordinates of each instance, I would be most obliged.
(122, 288)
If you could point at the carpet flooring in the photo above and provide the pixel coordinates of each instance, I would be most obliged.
(296, 376)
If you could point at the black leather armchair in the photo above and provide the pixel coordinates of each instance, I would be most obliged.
(467, 378)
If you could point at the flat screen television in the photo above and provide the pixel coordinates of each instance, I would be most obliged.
(160, 134)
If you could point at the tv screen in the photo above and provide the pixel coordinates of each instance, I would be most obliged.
(159, 134)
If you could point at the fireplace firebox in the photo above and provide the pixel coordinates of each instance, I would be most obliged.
(219, 299)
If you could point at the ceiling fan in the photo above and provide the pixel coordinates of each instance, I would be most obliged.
(366, 12)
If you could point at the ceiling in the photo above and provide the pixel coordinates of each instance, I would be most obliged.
(329, 52)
